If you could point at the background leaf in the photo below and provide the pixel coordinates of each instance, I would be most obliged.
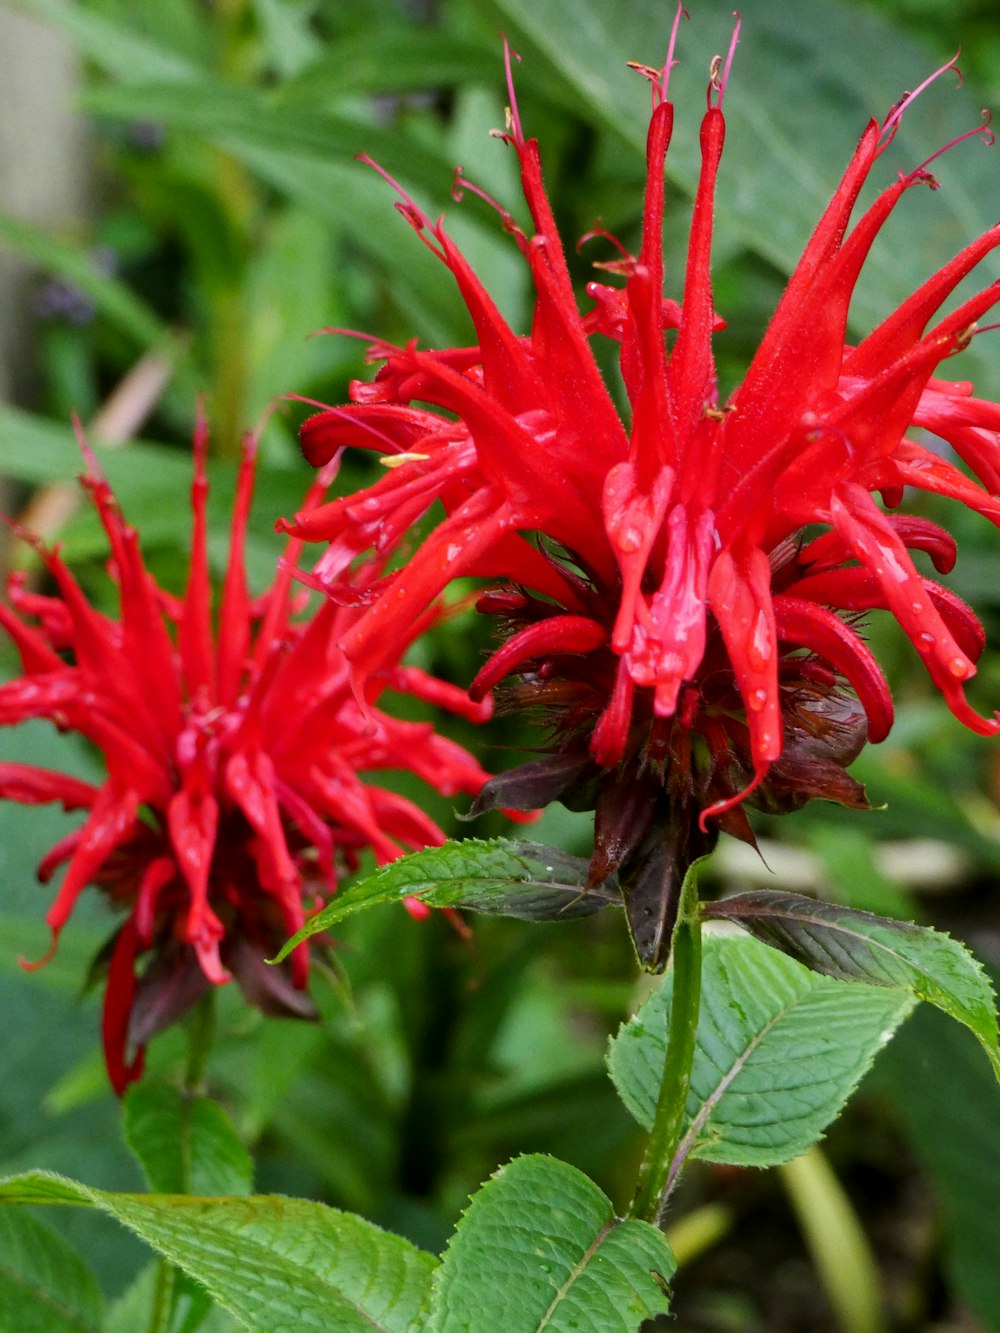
(949, 1105)
(45, 1287)
(540, 1247)
(186, 1144)
(779, 1050)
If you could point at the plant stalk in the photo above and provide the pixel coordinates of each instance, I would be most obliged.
(200, 1032)
(655, 1183)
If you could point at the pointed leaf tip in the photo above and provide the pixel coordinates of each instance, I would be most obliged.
(500, 877)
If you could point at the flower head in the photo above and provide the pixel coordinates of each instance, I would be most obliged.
(684, 588)
(234, 747)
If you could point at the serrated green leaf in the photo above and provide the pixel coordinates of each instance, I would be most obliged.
(857, 946)
(45, 1287)
(778, 1052)
(501, 877)
(540, 1247)
(185, 1144)
(273, 1262)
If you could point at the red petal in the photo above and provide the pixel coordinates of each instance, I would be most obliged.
(556, 636)
(36, 786)
(118, 995)
(810, 626)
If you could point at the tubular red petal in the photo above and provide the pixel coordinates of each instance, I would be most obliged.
(643, 354)
(37, 786)
(877, 546)
(412, 680)
(691, 368)
(380, 635)
(35, 653)
(809, 626)
(739, 595)
(111, 821)
(633, 519)
(960, 618)
(118, 996)
(608, 742)
(387, 427)
(145, 641)
(553, 637)
(193, 821)
(196, 623)
(921, 468)
(669, 641)
(235, 608)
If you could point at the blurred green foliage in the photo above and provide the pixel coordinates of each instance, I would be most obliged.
(233, 223)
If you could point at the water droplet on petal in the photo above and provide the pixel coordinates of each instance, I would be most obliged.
(628, 540)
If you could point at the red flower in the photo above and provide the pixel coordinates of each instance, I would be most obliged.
(233, 756)
(679, 629)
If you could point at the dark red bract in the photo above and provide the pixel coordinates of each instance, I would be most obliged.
(234, 745)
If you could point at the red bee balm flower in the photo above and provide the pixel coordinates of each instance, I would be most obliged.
(233, 758)
(692, 647)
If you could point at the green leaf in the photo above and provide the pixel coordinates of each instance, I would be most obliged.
(125, 55)
(778, 1052)
(77, 265)
(158, 1286)
(44, 1280)
(501, 877)
(856, 946)
(289, 297)
(37, 450)
(540, 1247)
(273, 1262)
(309, 155)
(395, 58)
(949, 1106)
(226, 112)
(288, 40)
(184, 1143)
(359, 204)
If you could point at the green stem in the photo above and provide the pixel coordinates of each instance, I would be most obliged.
(200, 1030)
(163, 1297)
(655, 1178)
